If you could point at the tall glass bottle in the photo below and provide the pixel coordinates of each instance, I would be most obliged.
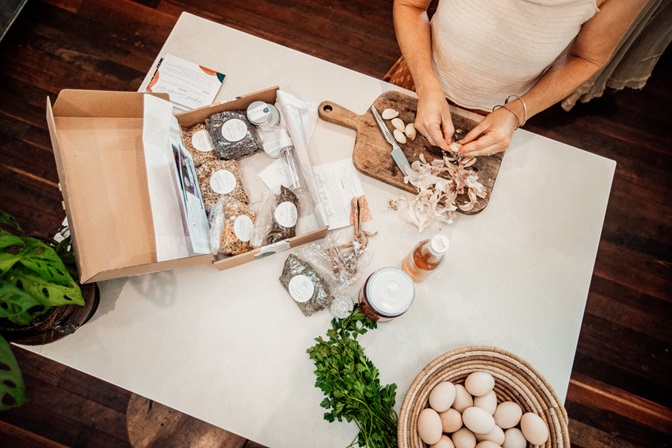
(425, 257)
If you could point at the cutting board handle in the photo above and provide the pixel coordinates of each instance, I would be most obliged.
(336, 114)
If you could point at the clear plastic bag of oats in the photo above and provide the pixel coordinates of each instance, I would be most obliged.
(199, 144)
(231, 227)
(218, 179)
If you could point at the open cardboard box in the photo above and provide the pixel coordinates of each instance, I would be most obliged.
(97, 142)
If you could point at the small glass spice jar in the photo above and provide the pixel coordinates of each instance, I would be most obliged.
(386, 294)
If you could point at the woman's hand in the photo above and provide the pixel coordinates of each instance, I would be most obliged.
(433, 120)
(491, 135)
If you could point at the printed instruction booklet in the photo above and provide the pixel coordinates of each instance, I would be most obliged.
(188, 84)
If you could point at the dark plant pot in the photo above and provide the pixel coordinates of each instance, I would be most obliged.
(56, 323)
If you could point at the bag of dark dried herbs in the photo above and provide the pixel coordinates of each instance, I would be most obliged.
(231, 227)
(233, 136)
(310, 290)
(284, 215)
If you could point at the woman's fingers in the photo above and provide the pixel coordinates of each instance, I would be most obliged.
(433, 121)
(490, 136)
(440, 134)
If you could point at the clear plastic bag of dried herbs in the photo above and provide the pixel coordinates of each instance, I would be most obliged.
(285, 214)
(233, 136)
(309, 289)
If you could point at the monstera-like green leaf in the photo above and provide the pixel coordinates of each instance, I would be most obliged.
(18, 306)
(11, 249)
(33, 276)
(44, 261)
(12, 387)
(46, 292)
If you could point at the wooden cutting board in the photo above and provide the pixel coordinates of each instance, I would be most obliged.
(371, 154)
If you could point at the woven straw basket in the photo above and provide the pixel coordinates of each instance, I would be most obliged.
(515, 380)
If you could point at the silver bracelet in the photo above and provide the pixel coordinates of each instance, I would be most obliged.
(512, 113)
(506, 101)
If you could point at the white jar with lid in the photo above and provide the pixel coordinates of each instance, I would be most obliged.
(263, 114)
(386, 294)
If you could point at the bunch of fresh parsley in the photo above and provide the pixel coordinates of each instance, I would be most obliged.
(351, 385)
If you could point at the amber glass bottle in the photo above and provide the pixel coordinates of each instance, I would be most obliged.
(425, 258)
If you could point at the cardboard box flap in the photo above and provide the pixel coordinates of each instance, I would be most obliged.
(97, 140)
(98, 103)
(199, 115)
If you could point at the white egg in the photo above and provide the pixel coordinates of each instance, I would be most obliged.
(488, 402)
(442, 396)
(478, 420)
(534, 429)
(496, 435)
(487, 444)
(463, 438)
(463, 399)
(444, 442)
(513, 438)
(429, 426)
(451, 420)
(507, 414)
(479, 383)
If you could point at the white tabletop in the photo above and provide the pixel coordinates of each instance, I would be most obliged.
(231, 350)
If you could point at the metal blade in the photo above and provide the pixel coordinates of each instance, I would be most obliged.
(381, 125)
(400, 159)
(397, 154)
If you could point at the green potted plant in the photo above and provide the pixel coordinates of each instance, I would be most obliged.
(12, 388)
(40, 301)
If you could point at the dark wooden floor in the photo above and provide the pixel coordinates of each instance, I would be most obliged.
(620, 392)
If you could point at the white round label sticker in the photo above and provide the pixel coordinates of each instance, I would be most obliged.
(234, 130)
(222, 181)
(243, 228)
(286, 214)
(202, 141)
(301, 288)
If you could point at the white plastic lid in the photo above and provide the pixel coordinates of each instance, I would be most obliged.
(258, 112)
(439, 244)
(273, 148)
(390, 291)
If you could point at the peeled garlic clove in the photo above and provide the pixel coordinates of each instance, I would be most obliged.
(389, 114)
(410, 131)
(399, 124)
(399, 136)
(468, 162)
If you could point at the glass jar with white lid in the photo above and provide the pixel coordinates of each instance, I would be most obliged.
(386, 294)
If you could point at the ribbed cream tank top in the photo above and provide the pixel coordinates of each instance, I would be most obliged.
(485, 50)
